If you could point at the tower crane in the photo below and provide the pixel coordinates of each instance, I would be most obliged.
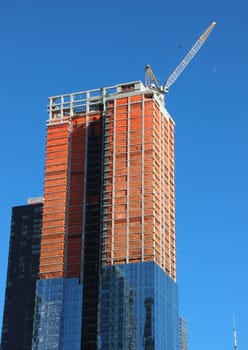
(152, 80)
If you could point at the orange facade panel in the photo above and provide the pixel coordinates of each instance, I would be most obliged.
(136, 98)
(59, 246)
(55, 154)
(55, 187)
(56, 134)
(46, 275)
(57, 218)
(55, 181)
(52, 259)
(54, 222)
(141, 154)
(138, 193)
(76, 197)
(57, 141)
(56, 167)
(55, 209)
(57, 161)
(52, 239)
(56, 269)
(54, 148)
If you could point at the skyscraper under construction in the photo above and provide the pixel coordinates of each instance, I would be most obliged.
(108, 256)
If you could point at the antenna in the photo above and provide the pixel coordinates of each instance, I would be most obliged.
(234, 334)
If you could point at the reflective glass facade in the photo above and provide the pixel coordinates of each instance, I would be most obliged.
(58, 314)
(138, 308)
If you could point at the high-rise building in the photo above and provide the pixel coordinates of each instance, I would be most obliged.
(23, 268)
(108, 254)
(183, 333)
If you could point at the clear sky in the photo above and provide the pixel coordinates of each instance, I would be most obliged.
(52, 47)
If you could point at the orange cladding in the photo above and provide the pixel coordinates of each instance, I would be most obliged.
(139, 205)
(75, 198)
(137, 211)
(55, 201)
(64, 196)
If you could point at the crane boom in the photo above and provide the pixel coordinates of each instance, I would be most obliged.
(183, 64)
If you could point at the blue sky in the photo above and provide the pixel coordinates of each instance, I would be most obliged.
(55, 47)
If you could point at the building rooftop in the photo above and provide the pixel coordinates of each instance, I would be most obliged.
(61, 107)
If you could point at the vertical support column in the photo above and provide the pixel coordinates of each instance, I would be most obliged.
(50, 108)
(143, 179)
(162, 227)
(172, 201)
(128, 179)
(71, 104)
(159, 130)
(62, 107)
(67, 195)
(85, 190)
(168, 263)
(113, 184)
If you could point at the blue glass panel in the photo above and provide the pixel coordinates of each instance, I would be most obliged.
(72, 326)
(138, 308)
(58, 315)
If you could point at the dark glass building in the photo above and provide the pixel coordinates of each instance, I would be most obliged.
(23, 267)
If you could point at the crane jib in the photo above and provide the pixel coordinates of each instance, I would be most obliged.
(151, 78)
(183, 64)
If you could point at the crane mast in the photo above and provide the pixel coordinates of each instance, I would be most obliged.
(150, 77)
